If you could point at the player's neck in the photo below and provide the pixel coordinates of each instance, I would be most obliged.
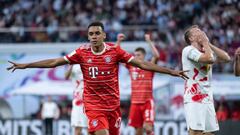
(98, 49)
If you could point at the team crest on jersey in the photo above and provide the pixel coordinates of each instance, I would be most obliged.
(94, 123)
(107, 59)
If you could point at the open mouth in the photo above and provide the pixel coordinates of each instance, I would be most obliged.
(94, 42)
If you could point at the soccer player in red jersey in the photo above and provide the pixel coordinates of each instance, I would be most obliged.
(237, 62)
(99, 63)
(141, 115)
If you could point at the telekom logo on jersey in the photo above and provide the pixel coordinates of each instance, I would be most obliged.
(93, 71)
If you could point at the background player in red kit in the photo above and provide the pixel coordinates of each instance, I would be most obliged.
(99, 64)
(141, 114)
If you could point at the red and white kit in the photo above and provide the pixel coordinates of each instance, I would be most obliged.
(142, 104)
(78, 116)
(198, 95)
(101, 89)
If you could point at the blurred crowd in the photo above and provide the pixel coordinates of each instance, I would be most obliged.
(67, 20)
(226, 110)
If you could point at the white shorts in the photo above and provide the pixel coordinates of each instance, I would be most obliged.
(78, 117)
(201, 116)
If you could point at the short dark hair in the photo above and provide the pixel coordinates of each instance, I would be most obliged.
(187, 34)
(100, 24)
(140, 49)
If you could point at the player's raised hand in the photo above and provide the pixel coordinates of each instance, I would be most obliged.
(120, 37)
(180, 74)
(15, 66)
(147, 37)
(237, 52)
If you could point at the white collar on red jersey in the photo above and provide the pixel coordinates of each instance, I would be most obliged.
(99, 53)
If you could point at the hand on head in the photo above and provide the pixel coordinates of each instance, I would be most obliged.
(202, 38)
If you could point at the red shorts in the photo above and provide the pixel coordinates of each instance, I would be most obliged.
(110, 120)
(140, 113)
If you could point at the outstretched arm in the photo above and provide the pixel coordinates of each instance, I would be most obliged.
(153, 48)
(237, 62)
(155, 68)
(50, 63)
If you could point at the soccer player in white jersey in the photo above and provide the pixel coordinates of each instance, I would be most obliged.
(78, 117)
(237, 62)
(198, 58)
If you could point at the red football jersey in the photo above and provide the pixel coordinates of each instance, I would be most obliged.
(100, 75)
(141, 83)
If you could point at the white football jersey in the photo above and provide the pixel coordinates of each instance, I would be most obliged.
(77, 79)
(198, 86)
